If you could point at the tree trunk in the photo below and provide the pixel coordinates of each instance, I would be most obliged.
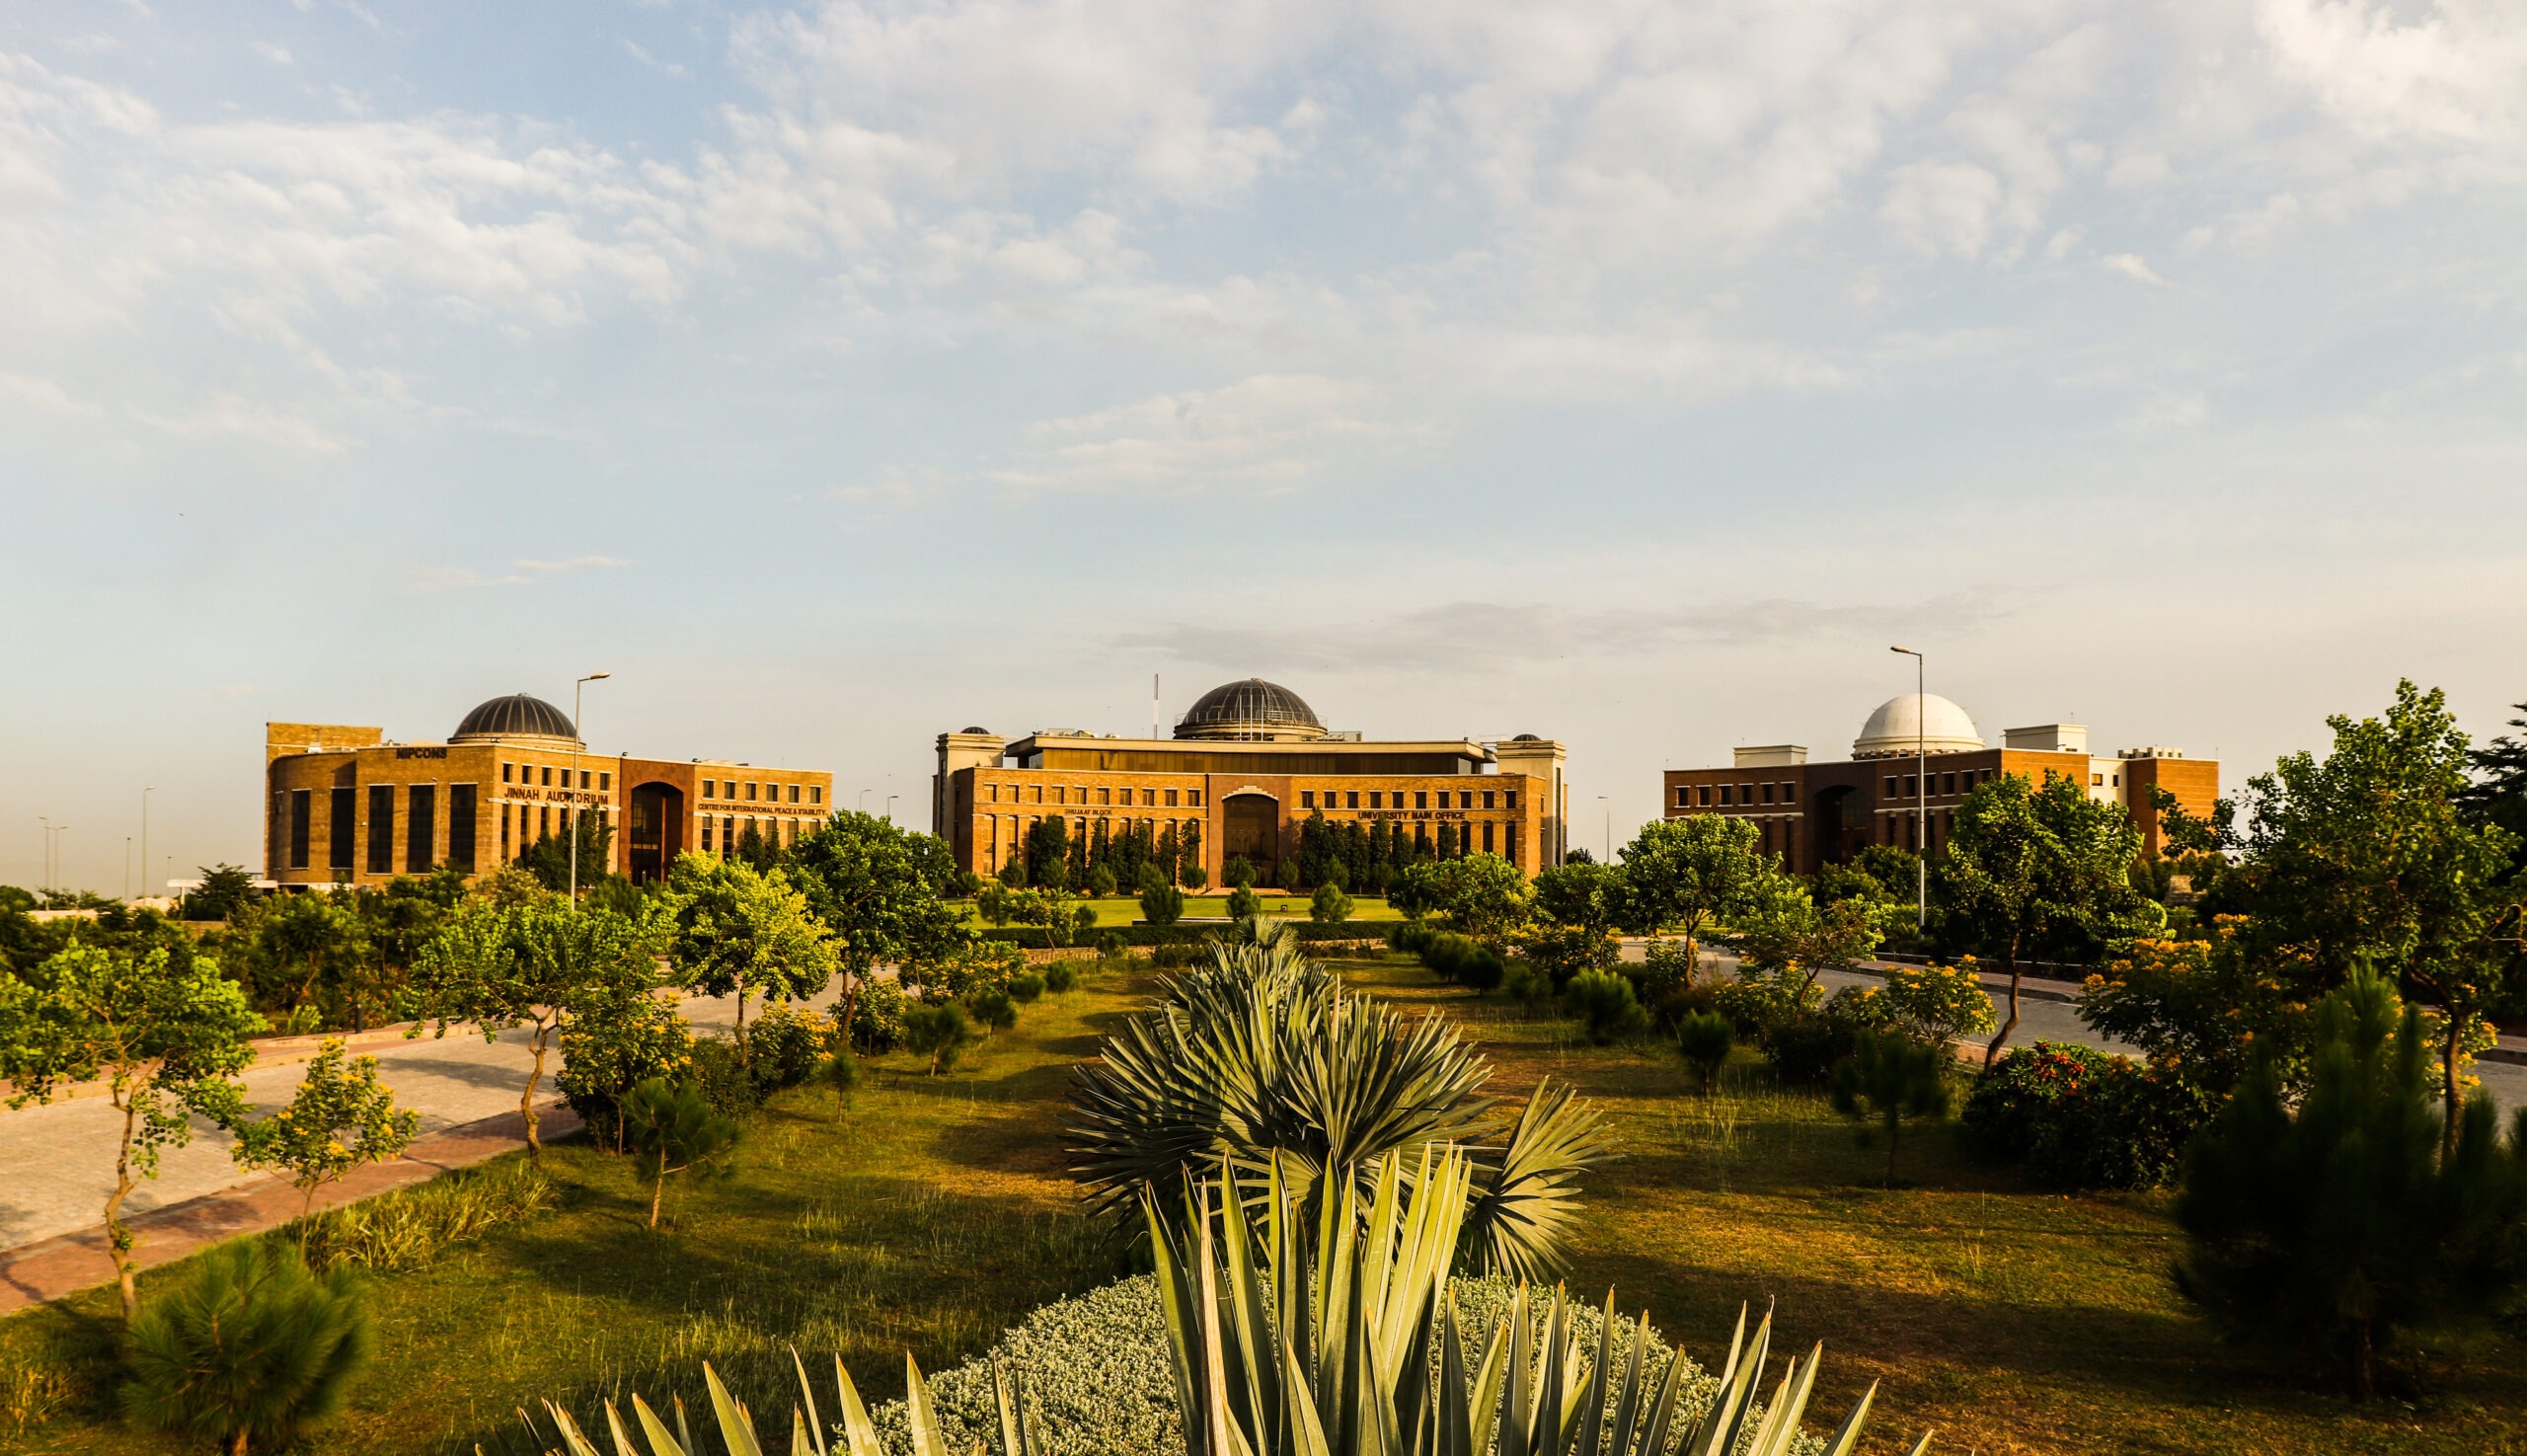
(2364, 1363)
(237, 1442)
(741, 1018)
(1992, 1053)
(658, 1192)
(118, 1239)
(526, 1102)
(1692, 956)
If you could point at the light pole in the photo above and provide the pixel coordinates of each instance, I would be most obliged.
(43, 867)
(864, 801)
(891, 806)
(127, 870)
(145, 792)
(1922, 791)
(579, 741)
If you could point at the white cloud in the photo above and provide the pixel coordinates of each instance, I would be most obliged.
(277, 54)
(1262, 434)
(2458, 75)
(2132, 265)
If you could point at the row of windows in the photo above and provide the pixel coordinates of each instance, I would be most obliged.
(1065, 794)
(1688, 796)
(527, 774)
(729, 789)
(420, 813)
(1350, 798)
(730, 833)
(1909, 787)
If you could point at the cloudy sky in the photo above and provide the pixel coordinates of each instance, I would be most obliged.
(1629, 373)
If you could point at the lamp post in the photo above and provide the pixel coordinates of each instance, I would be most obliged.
(145, 792)
(891, 806)
(43, 867)
(579, 741)
(126, 868)
(1922, 789)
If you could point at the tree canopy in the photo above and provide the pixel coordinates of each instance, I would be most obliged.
(877, 889)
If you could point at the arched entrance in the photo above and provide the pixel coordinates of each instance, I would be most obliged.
(655, 832)
(1833, 839)
(1252, 827)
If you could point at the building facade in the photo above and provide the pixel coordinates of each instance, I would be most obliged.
(1248, 766)
(1910, 770)
(342, 805)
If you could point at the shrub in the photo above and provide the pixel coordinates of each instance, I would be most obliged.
(1412, 937)
(1243, 904)
(993, 1009)
(1194, 876)
(1445, 953)
(1604, 1001)
(1025, 986)
(1483, 969)
(1669, 1011)
(970, 967)
(1758, 1000)
(2081, 1117)
(673, 1128)
(878, 1024)
(1329, 905)
(406, 1229)
(841, 1072)
(1178, 957)
(938, 1031)
(1101, 882)
(1704, 1037)
(1062, 976)
(604, 1056)
(1163, 905)
(1239, 873)
(784, 1046)
(1109, 946)
(2329, 1229)
(721, 1075)
(250, 1352)
(1938, 1004)
(1804, 1045)
(1889, 1077)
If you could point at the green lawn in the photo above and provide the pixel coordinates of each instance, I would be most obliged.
(2013, 1321)
(1125, 909)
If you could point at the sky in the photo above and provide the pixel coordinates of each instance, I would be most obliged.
(1629, 373)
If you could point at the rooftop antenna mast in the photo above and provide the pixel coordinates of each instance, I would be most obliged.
(1153, 707)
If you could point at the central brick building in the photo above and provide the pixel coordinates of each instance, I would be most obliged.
(1248, 765)
(1816, 813)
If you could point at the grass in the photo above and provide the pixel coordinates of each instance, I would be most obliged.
(1126, 909)
(2010, 1320)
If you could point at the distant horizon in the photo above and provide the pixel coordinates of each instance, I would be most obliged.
(835, 374)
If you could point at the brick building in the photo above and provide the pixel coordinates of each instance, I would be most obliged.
(1248, 765)
(1815, 814)
(342, 805)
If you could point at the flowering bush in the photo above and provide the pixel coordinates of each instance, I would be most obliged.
(604, 1056)
(1099, 1380)
(784, 1047)
(1932, 1004)
(2080, 1118)
(878, 1024)
(977, 965)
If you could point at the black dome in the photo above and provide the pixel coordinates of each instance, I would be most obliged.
(1252, 709)
(516, 715)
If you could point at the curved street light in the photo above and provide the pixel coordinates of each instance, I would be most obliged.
(1921, 791)
(578, 743)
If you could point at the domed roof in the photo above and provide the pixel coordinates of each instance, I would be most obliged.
(516, 715)
(1890, 731)
(1252, 709)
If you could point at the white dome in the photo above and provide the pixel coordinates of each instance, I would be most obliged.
(1890, 731)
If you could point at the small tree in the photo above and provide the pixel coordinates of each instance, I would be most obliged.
(1786, 933)
(993, 1009)
(341, 1118)
(165, 1034)
(673, 1128)
(1243, 904)
(1705, 1039)
(877, 891)
(1688, 874)
(841, 1072)
(224, 890)
(734, 930)
(1329, 905)
(2332, 1229)
(250, 1352)
(938, 1033)
(1192, 874)
(1605, 1003)
(1101, 882)
(1889, 1077)
(1938, 1004)
(1012, 873)
(1238, 873)
(299, 944)
(1162, 903)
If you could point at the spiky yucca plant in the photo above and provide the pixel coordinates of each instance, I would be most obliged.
(1262, 1059)
(859, 1434)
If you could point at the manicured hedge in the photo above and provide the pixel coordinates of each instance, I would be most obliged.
(1307, 931)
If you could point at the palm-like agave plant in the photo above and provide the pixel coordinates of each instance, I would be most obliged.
(1292, 1341)
(806, 1427)
(1262, 1060)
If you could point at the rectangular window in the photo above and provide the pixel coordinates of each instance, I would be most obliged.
(1420, 799)
(1891, 786)
(381, 828)
(1487, 828)
(708, 788)
(1745, 794)
(706, 833)
(1193, 797)
(302, 804)
(1486, 797)
(1768, 793)
(727, 832)
(506, 770)
(503, 811)
(2097, 781)
(1171, 798)
(1376, 800)
(1307, 799)
(1948, 783)
(793, 794)
(1351, 799)
(1060, 795)
(344, 832)
(750, 790)
(1912, 785)
(420, 827)
(1039, 793)
(548, 775)
(1725, 796)
(1106, 797)
(543, 821)
(605, 783)
(460, 815)
(1789, 792)
(1465, 799)
(1149, 799)
(1510, 799)
(816, 792)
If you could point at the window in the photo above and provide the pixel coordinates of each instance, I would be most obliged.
(1891, 786)
(727, 832)
(505, 830)
(344, 831)
(1725, 796)
(381, 828)
(1377, 799)
(548, 775)
(816, 792)
(506, 770)
(793, 794)
(302, 804)
(605, 783)
(1768, 793)
(2097, 781)
(1351, 799)
(1912, 785)
(1510, 799)
(1420, 799)
(1061, 795)
(1307, 799)
(1790, 790)
(1105, 795)
(1948, 783)
(710, 787)
(1488, 797)
(1703, 793)
(421, 829)
(1193, 799)
(750, 790)
(1488, 829)
(1171, 798)
(1149, 799)
(1465, 799)
(1745, 794)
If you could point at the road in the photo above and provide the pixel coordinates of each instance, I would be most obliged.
(57, 1160)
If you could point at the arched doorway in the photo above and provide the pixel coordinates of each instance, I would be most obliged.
(1252, 827)
(1833, 837)
(655, 832)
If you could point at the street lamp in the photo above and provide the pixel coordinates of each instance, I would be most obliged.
(145, 792)
(891, 806)
(126, 868)
(577, 742)
(43, 867)
(1922, 789)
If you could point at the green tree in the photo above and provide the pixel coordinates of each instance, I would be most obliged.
(1691, 873)
(2330, 1228)
(938, 1031)
(531, 965)
(623, 1033)
(2031, 867)
(1012, 873)
(341, 1118)
(224, 890)
(251, 1351)
(2367, 853)
(1604, 1003)
(1049, 852)
(880, 892)
(395, 922)
(1704, 1037)
(166, 1036)
(1590, 897)
(1329, 905)
(2497, 795)
(1161, 902)
(1889, 1077)
(1786, 934)
(734, 930)
(993, 1009)
(673, 1128)
(1480, 896)
(1243, 904)
(548, 858)
(297, 944)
